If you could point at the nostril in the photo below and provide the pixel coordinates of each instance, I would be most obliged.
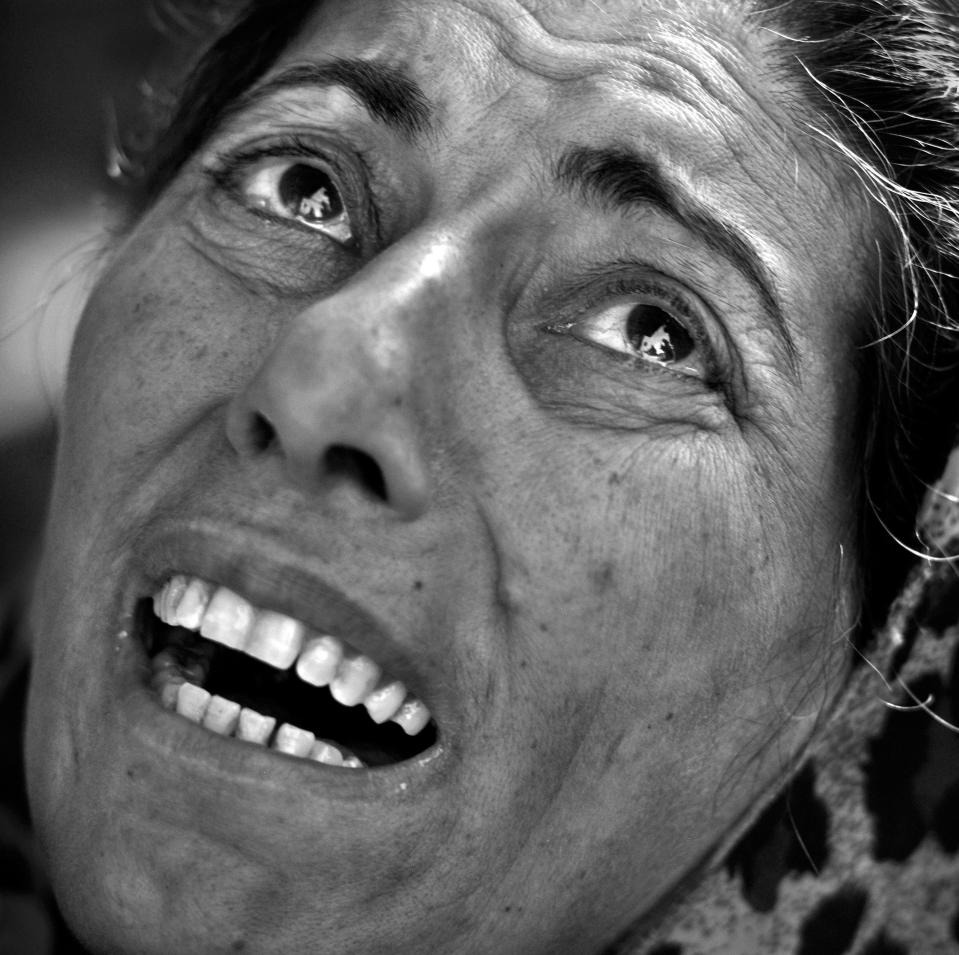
(356, 465)
(260, 434)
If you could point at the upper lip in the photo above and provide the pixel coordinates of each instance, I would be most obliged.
(259, 567)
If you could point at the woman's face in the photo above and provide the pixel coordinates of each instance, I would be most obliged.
(511, 344)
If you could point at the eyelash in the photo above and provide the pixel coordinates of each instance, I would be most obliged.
(227, 169)
(716, 374)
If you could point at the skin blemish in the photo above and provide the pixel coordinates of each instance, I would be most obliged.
(602, 577)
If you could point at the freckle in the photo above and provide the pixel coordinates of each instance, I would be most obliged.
(543, 628)
(669, 716)
(398, 401)
(615, 479)
(418, 585)
(602, 576)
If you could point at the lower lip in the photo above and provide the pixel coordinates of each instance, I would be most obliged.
(184, 747)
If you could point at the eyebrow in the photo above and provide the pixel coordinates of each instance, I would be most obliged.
(622, 178)
(387, 93)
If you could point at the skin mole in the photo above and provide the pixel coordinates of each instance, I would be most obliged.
(603, 576)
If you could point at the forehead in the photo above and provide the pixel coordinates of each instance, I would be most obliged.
(630, 45)
(564, 39)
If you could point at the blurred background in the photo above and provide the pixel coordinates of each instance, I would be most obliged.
(70, 73)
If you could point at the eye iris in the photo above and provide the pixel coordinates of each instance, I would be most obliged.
(657, 336)
(309, 193)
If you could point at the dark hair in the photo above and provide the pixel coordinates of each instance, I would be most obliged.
(255, 33)
(883, 75)
(882, 78)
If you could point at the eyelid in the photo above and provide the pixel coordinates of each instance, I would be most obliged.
(627, 287)
(613, 293)
(351, 176)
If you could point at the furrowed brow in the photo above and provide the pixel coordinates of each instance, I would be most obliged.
(622, 179)
(386, 92)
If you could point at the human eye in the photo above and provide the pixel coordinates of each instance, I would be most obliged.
(650, 324)
(293, 183)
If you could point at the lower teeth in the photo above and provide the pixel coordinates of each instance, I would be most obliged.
(227, 718)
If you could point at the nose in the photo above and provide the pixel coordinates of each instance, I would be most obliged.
(332, 400)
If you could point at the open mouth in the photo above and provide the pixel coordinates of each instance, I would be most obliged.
(270, 680)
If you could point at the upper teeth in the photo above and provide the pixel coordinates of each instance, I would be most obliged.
(321, 659)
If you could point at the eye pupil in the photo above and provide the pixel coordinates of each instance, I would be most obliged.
(657, 336)
(309, 193)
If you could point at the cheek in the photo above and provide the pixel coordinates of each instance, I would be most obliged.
(164, 339)
(642, 540)
(660, 576)
(662, 639)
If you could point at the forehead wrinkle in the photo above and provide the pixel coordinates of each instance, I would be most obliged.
(664, 59)
(705, 75)
(718, 71)
(708, 71)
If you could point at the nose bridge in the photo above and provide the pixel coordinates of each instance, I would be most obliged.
(333, 398)
(418, 273)
(367, 330)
